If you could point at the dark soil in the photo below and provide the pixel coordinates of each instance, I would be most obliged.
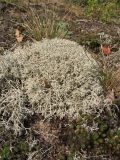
(10, 17)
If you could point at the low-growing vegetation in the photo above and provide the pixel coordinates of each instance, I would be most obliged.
(107, 10)
(59, 100)
(99, 142)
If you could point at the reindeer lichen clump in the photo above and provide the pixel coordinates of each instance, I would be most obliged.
(58, 77)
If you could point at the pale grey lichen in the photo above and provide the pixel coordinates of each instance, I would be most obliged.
(59, 77)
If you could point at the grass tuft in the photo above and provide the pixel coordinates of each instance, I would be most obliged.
(47, 26)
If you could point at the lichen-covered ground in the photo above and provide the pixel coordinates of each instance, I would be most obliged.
(62, 139)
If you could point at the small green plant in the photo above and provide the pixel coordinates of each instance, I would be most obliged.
(5, 152)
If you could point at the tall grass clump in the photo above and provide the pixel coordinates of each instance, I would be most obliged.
(47, 25)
